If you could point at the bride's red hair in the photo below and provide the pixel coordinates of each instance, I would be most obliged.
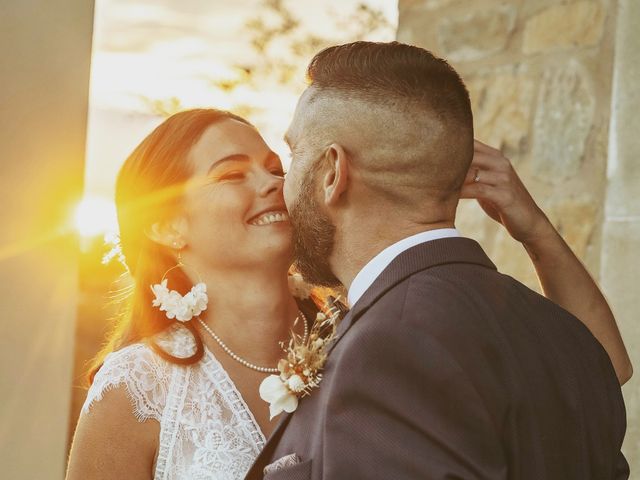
(148, 189)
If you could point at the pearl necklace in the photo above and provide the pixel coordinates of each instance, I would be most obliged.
(241, 360)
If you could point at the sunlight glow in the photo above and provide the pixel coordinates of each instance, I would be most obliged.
(151, 59)
(95, 216)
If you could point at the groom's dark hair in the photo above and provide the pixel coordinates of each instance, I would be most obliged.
(421, 90)
(379, 70)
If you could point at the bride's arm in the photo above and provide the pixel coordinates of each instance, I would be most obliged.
(110, 443)
(564, 280)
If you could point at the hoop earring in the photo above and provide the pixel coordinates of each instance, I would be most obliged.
(175, 305)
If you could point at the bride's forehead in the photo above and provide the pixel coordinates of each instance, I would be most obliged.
(229, 130)
(227, 141)
(227, 137)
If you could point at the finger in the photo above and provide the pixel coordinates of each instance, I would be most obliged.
(483, 147)
(490, 210)
(488, 177)
(496, 196)
(476, 168)
(474, 190)
(484, 161)
(472, 173)
(482, 193)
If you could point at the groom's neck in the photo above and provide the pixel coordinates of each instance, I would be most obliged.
(360, 238)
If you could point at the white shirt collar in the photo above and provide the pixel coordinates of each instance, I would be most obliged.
(377, 264)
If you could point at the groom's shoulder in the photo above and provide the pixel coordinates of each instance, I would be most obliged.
(445, 289)
(469, 316)
(425, 303)
(468, 287)
(458, 300)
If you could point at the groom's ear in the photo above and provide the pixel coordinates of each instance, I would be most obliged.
(335, 180)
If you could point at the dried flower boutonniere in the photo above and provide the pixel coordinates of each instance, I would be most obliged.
(300, 371)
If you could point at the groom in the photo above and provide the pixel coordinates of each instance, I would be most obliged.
(444, 368)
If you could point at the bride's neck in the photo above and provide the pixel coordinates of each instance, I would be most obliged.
(251, 311)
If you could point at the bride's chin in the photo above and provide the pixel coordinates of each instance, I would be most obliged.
(278, 252)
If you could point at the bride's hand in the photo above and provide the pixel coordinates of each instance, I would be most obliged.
(493, 182)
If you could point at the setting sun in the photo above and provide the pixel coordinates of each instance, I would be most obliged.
(95, 216)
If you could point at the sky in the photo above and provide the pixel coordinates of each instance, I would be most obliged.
(150, 50)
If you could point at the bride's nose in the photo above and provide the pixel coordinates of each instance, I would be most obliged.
(270, 183)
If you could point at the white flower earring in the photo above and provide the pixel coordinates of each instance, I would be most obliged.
(182, 308)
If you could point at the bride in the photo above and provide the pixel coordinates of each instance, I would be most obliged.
(174, 394)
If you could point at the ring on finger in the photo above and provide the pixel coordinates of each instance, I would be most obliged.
(477, 176)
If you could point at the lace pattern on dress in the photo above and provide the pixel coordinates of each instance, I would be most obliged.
(239, 406)
(206, 429)
(143, 375)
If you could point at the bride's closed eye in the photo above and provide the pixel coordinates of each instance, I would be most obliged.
(278, 172)
(234, 175)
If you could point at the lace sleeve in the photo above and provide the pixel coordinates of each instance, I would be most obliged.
(144, 375)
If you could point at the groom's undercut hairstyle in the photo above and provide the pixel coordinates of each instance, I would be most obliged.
(403, 115)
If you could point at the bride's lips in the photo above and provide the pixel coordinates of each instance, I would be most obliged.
(269, 217)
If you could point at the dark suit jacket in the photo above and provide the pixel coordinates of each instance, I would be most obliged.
(447, 369)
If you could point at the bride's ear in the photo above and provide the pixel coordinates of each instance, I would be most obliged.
(335, 179)
(170, 233)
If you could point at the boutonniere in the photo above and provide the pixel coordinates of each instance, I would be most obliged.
(300, 371)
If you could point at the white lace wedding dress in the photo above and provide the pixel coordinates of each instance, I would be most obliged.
(206, 429)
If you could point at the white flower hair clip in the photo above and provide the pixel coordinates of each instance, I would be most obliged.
(113, 239)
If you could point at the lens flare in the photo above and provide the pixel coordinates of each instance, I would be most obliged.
(95, 216)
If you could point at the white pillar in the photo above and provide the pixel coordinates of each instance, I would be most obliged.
(45, 51)
(620, 272)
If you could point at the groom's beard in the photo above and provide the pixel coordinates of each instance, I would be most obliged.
(313, 236)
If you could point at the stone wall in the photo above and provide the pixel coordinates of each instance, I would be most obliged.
(541, 91)
(540, 74)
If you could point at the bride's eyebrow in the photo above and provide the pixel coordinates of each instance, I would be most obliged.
(240, 157)
(236, 157)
